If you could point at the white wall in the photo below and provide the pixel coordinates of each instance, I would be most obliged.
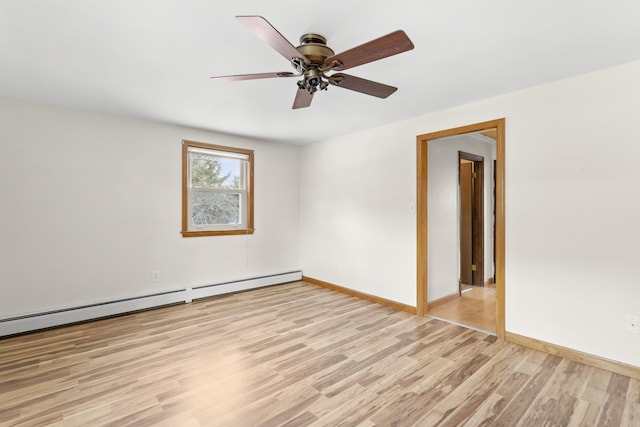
(572, 208)
(358, 213)
(444, 211)
(91, 204)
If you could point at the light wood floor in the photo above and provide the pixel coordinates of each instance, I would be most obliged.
(296, 355)
(476, 308)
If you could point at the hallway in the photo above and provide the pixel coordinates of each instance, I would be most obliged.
(476, 308)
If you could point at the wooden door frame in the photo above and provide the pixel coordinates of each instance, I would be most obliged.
(496, 127)
(478, 216)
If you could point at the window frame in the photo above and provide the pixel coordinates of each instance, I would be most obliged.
(186, 193)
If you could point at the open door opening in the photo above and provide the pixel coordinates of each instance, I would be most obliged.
(432, 284)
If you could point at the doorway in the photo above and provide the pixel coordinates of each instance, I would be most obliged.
(495, 127)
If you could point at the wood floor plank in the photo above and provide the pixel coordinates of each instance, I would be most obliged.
(475, 308)
(295, 355)
(463, 402)
(613, 409)
(631, 414)
(486, 413)
(559, 397)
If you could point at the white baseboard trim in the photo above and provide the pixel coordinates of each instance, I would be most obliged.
(44, 320)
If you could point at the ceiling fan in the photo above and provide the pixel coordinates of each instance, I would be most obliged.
(313, 60)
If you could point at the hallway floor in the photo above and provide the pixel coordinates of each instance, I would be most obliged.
(475, 308)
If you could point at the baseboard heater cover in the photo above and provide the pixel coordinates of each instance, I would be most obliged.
(34, 322)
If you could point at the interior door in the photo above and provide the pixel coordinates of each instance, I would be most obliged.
(466, 223)
(471, 174)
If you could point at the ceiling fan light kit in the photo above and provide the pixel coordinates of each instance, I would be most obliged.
(313, 60)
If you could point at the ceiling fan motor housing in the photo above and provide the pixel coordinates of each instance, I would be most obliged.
(314, 46)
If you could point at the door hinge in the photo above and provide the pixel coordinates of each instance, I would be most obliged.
(474, 175)
(474, 267)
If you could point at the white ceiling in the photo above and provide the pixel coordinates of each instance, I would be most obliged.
(153, 58)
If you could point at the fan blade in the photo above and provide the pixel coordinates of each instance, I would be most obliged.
(252, 76)
(361, 85)
(382, 47)
(267, 33)
(303, 99)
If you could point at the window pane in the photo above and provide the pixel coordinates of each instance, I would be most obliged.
(217, 183)
(215, 172)
(215, 208)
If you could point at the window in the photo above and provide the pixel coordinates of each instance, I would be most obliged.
(217, 190)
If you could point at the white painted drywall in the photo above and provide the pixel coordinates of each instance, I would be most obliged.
(358, 213)
(444, 211)
(91, 204)
(572, 208)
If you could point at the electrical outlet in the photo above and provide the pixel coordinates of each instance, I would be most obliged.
(155, 276)
(632, 324)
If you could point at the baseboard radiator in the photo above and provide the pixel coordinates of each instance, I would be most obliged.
(49, 319)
